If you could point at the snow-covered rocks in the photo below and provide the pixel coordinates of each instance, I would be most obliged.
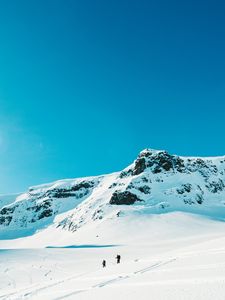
(41, 204)
(156, 182)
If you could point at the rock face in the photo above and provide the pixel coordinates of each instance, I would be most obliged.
(123, 198)
(42, 203)
(162, 161)
(157, 161)
(156, 182)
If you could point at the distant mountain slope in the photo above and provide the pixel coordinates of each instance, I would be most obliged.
(157, 182)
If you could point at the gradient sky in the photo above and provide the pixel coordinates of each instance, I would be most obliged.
(86, 85)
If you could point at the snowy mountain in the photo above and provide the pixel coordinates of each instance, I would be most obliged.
(163, 214)
(157, 182)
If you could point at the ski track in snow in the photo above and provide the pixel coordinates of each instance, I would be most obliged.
(26, 293)
(23, 294)
(118, 278)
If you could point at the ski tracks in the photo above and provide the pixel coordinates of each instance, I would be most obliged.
(118, 278)
(27, 294)
(156, 265)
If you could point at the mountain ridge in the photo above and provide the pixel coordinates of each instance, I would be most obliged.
(156, 182)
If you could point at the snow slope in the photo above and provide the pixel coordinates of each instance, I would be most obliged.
(170, 256)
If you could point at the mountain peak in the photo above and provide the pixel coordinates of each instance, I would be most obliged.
(149, 151)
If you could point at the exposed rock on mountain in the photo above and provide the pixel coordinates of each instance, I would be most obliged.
(123, 198)
(156, 182)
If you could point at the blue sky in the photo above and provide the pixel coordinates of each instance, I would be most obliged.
(86, 85)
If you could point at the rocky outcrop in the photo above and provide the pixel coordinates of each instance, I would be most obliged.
(157, 161)
(42, 203)
(77, 190)
(215, 186)
(163, 162)
(6, 215)
(185, 188)
(123, 198)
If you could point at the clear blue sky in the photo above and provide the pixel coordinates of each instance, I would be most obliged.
(85, 85)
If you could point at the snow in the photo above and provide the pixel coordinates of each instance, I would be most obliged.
(54, 237)
(170, 256)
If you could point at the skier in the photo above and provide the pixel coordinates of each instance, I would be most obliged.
(103, 263)
(118, 257)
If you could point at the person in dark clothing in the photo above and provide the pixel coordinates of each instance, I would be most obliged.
(103, 263)
(118, 257)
